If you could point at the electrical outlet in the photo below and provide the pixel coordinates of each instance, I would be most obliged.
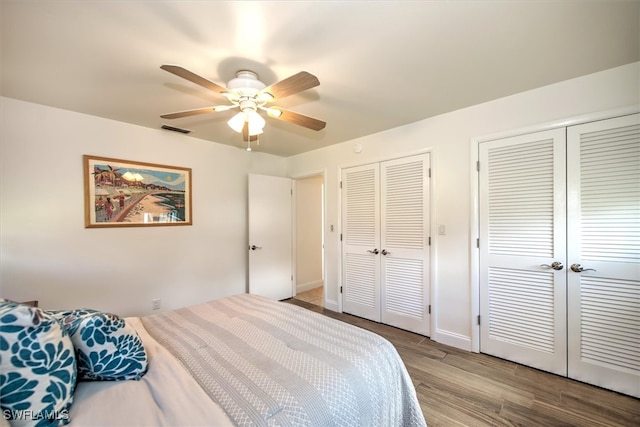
(155, 304)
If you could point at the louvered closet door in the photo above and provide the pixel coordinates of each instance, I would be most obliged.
(404, 241)
(604, 235)
(360, 241)
(522, 233)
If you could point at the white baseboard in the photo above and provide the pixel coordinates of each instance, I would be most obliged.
(452, 339)
(302, 287)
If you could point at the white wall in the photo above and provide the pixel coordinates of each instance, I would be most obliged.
(449, 136)
(48, 255)
(308, 233)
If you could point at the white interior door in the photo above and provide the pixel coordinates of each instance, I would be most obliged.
(270, 235)
(404, 254)
(604, 235)
(360, 241)
(522, 235)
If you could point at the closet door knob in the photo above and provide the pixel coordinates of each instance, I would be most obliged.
(375, 251)
(384, 252)
(556, 265)
(577, 268)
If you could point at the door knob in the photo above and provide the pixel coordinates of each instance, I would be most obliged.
(384, 252)
(375, 251)
(254, 247)
(556, 265)
(577, 268)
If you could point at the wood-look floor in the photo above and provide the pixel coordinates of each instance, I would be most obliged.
(459, 388)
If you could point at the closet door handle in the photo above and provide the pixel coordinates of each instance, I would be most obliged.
(254, 247)
(384, 252)
(556, 265)
(375, 251)
(577, 268)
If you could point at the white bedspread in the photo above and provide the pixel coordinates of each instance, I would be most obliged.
(246, 360)
(166, 396)
(269, 363)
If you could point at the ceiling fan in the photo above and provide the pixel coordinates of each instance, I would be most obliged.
(250, 95)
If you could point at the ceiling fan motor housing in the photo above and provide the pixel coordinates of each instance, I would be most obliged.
(246, 83)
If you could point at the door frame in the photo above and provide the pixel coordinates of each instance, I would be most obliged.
(474, 214)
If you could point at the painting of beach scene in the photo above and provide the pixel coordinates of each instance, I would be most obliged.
(121, 193)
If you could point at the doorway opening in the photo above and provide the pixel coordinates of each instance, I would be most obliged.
(309, 239)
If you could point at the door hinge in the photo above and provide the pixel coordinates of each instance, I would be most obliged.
(429, 308)
(429, 172)
(478, 243)
(429, 240)
(478, 165)
(292, 277)
(478, 319)
(340, 184)
(341, 237)
(340, 289)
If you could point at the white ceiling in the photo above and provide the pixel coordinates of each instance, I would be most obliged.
(381, 64)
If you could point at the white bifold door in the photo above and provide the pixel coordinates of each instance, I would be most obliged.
(385, 242)
(523, 250)
(603, 256)
(560, 251)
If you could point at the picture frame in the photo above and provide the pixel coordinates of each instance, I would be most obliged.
(125, 193)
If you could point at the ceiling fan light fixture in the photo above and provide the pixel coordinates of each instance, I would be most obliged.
(256, 122)
(237, 122)
(274, 112)
(255, 130)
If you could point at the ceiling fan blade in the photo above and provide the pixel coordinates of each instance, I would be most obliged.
(245, 133)
(194, 78)
(188, 113)
(299, 119)
(292, 85)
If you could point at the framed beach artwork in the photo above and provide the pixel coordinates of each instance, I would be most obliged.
(123, 193)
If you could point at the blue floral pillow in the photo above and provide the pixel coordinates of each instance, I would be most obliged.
(106, 347)
(37, 367)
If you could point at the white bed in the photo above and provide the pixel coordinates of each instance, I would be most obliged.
(247, 360)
